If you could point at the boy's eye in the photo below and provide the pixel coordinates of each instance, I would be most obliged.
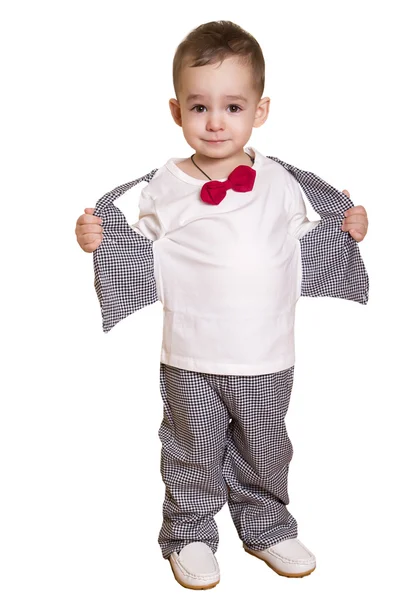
(198, 108)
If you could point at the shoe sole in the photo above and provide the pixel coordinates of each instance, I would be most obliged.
(291, 575)
(189, 587)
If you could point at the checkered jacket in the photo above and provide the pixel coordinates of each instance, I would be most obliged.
(123, 263)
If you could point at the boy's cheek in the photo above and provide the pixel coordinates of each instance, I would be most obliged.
(188, 121)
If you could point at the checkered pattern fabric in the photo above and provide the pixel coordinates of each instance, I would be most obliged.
(331, 260)
(123, 263)
(224, 439)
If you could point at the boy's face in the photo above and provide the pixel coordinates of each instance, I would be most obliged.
(218, 107)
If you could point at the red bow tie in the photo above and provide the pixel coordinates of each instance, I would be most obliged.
(240, 180)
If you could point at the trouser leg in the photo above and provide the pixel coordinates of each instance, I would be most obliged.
(193, 435)
(257, 458)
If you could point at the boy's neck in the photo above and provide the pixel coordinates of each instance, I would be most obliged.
(216, 168)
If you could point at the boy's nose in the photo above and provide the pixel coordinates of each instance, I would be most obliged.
(215, 122)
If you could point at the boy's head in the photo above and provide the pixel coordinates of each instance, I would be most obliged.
(214, 42)
(218, 76)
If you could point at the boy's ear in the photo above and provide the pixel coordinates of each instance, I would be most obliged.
(262, 111)
(175, 111)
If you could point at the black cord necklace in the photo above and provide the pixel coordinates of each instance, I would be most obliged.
(251, 158)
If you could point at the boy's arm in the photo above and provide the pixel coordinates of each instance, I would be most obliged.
(298, 222)
(149, 224)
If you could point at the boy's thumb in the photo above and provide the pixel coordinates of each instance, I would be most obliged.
(89, 211)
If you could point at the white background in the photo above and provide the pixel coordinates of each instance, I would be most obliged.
(85, 108)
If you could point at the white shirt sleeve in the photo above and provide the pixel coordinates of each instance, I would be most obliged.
(298, 223)
(149, 224)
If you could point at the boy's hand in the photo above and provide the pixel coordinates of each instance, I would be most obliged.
(355, 221)
(88, 230)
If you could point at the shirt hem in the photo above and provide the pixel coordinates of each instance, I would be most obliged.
(201, 366)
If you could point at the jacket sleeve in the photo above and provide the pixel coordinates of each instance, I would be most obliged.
(123, 263)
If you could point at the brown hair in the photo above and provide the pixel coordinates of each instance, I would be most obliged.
(215, 41)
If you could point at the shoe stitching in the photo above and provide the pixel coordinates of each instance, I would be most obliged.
(187, 573)
(292, 561)
(300, 561)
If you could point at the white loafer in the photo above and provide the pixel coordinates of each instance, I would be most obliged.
(289, 558)
(195, 567)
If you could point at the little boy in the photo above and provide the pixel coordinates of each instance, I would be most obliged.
(224, 227)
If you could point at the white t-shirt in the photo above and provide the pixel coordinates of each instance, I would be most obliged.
(228, 276)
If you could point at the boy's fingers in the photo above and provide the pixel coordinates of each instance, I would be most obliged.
(356, 210)
(90, 211)
(346, 192)
(89, 246)
(356, 219)
(356, 235)
(85, 219)
(89, 228)
(354, 226)
(90, 237)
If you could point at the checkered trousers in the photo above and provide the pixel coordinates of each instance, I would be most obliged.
(224, 440)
